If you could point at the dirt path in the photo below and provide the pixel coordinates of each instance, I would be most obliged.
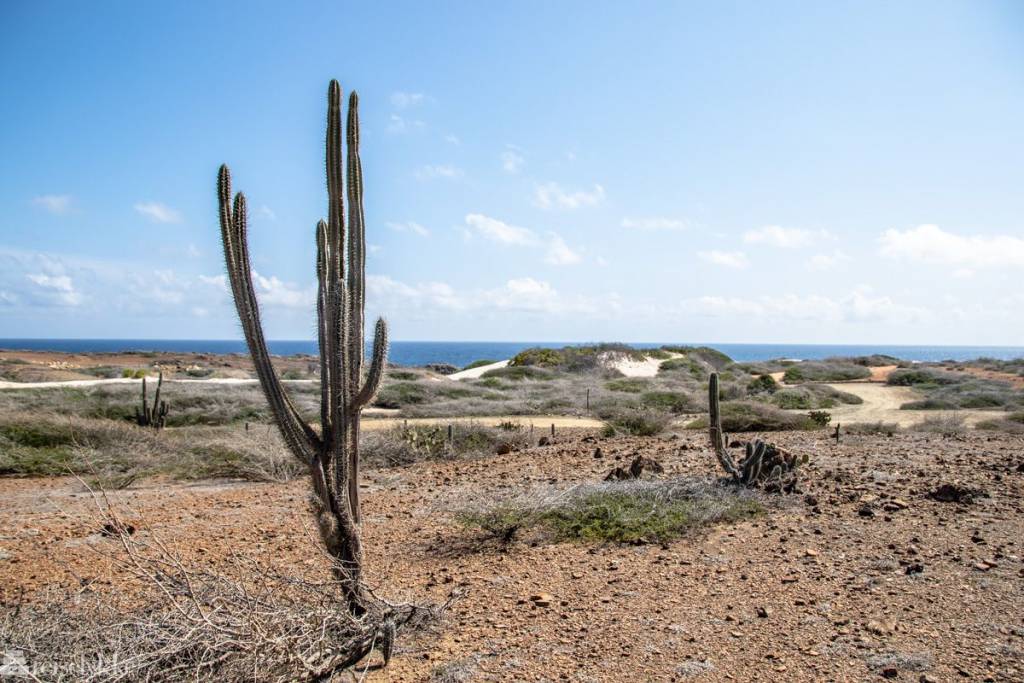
(538, 422)
(882, 404)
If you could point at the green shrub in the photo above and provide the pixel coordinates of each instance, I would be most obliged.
(820, 371)
(630, 385)
(403, 375)
(619, 512)
(632, 420)
(547, 358)
(793, 399)
(919, 376)
(820, 417)
(400, 394)
(668, 401)
(744, 416)
(763, 384)
(129, 373)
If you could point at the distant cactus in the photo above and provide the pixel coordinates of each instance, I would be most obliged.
(763, 464)
(332, 453)
(156, 415)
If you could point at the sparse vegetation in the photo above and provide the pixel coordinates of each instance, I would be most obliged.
(821, 371)
(619, 512)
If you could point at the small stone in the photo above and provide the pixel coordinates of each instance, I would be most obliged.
(982, 566)
(811, 552)
(597, 453)
(866, 510)
(542, 599)
(763, 612)
(890, 672)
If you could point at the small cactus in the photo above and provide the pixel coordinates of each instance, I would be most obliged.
(763, 464)
(154, 416)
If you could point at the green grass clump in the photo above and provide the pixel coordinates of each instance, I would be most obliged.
(129, 373)
(910, 377)
(545, 358)
(620, 512)
(517, 373)
(629, 385)
(626, 419)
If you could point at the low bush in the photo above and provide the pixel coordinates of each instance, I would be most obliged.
(762, 384)
(745, 416)
(921, 376)
(948, 424)
(820, 371)
(886, 428)
(400, 394)
(618, 512)
(625, 419)
(517, 373)
(668, 401)
(479, 364)
(630, 385)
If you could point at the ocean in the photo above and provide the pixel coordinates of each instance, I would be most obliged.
(461, 353)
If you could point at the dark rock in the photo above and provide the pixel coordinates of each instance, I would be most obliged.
(504, 448)
(544, 441)
(956, 493)
(441, 368)
(597, 453)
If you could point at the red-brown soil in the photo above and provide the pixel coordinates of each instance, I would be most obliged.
(860, 576)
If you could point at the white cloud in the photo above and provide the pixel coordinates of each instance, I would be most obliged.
(525, 294)
(552, 196)
(654, 223)
(160, 213)
(57, 204)
(499, 231)
(512, 161)
(399, 125)
(931, 244)
(266, 213)
(410, 226)
(859, 305)
(403, 100)
(825, 261)
(7, 298)
(58, 287)
(786, 238)
(729, 259)
(452, 139)
(559, 253)
(438, 171)
(272, 291)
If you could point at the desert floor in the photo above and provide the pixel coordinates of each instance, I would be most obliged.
(859, 577)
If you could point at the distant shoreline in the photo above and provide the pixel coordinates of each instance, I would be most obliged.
(462, 353)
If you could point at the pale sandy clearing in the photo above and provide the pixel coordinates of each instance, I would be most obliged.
(882, 404)
(474, 373)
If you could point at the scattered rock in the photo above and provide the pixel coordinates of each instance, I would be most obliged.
(956, 493)
(504, 448)
(890, 672)
(111, 529)
(866, 510)
(640, 466)
(597, 453)
(915, 568)
(763, 612)
(544, 441)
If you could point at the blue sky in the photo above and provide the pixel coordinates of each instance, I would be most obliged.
(734, 172)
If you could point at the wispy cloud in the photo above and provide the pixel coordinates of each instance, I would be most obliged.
(452, 139)
(499, 231)
(862, 304)
(728, 259)
(160, 213)
(404, 100)
(556, 251)
(931, 244)
(59, 287)
(512, 161)
(399, 124)
(655, 223)
(827, 261)
(552, 196)
(266, 213)
(430, 171)
(57, 204)
(410, 226)
(786, 238)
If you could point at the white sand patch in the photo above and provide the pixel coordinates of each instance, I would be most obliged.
(474, 373)
(647, 367)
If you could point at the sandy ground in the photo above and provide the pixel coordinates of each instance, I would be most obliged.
(863, 576)
(474, 373)
(882, 404)
(123, 380)
(539, 423)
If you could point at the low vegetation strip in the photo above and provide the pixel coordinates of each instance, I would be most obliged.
(620, 512)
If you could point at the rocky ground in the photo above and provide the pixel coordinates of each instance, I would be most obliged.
(867, 574)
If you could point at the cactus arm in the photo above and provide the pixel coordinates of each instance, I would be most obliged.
(301, 439)
(752, 464)
(156, 397)
(337, 348)
(377, 364)
(715, 430)
(323, 331)
(356, 246)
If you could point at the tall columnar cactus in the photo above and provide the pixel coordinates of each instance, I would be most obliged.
(332, 455)
(763, 464)
(156, 415)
